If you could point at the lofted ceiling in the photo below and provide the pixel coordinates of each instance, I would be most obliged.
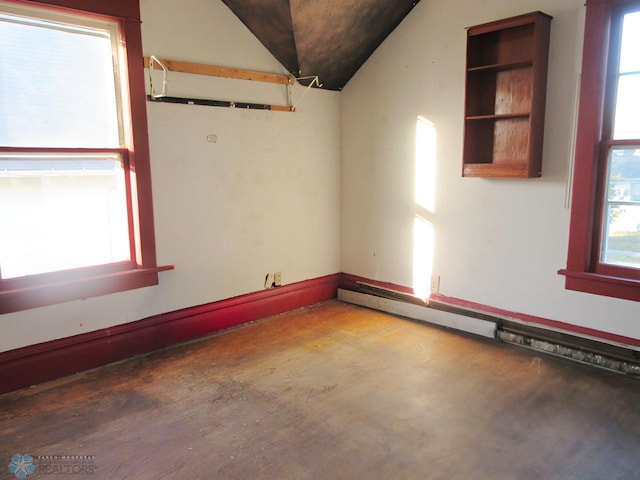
(327, 38)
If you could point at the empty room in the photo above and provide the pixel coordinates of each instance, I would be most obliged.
(320, 239)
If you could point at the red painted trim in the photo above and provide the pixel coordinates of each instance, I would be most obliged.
(80, 287)
(535, 321)
(589, 132)
(599, 284)
(45, 361)
(140, 153)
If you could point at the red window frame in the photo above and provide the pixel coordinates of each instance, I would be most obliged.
(142, 271)
(584, 270)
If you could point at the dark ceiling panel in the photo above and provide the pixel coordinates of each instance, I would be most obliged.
(327, 38)
(335, 37)
(270, 21)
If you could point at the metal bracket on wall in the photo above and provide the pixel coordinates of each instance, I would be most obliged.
(151, 62)
(315, 80)
(165, 65)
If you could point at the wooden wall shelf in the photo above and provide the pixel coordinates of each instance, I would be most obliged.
(505, 92)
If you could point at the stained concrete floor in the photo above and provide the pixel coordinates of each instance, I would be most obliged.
(334, 391)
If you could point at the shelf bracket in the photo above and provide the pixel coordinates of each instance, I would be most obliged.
(151, 62)
(315, 80)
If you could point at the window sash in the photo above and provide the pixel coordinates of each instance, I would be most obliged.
(609, 144)
(620, 266)
(51, 84)
(123, 156)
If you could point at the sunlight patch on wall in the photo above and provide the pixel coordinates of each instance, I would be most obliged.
(423, 241)
(425, 175)
(425, 196)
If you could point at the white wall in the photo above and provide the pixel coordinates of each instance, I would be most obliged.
(265, 197)
(497, 242)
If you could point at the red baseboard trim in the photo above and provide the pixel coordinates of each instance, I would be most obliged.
(46, 361)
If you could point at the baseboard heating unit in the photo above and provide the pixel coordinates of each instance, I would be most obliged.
(624, 359)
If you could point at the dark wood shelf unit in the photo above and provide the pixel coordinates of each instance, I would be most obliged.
(505, 94)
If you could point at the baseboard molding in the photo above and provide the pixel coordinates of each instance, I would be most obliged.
(46, 361)
(424, 313)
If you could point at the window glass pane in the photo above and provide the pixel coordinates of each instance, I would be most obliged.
(629, 56)
(57, 85)
(61, 212)
(621, 232)
(627, 120)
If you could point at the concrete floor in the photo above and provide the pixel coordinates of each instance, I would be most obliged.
(334, 391)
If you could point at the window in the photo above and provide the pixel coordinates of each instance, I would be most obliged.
(604, 241)
(75, 197)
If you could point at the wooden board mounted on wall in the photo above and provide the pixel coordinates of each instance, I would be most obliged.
(223, 72)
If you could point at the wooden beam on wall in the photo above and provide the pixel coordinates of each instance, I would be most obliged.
(217, 71)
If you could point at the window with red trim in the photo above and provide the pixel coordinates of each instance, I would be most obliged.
(604, 242)
(75, 189)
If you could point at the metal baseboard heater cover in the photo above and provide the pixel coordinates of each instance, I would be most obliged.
(615, 358)
(412, 310)
(572, 353)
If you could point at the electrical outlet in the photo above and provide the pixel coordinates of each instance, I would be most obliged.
(277, 279)
(268, 281)
(435, 283)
